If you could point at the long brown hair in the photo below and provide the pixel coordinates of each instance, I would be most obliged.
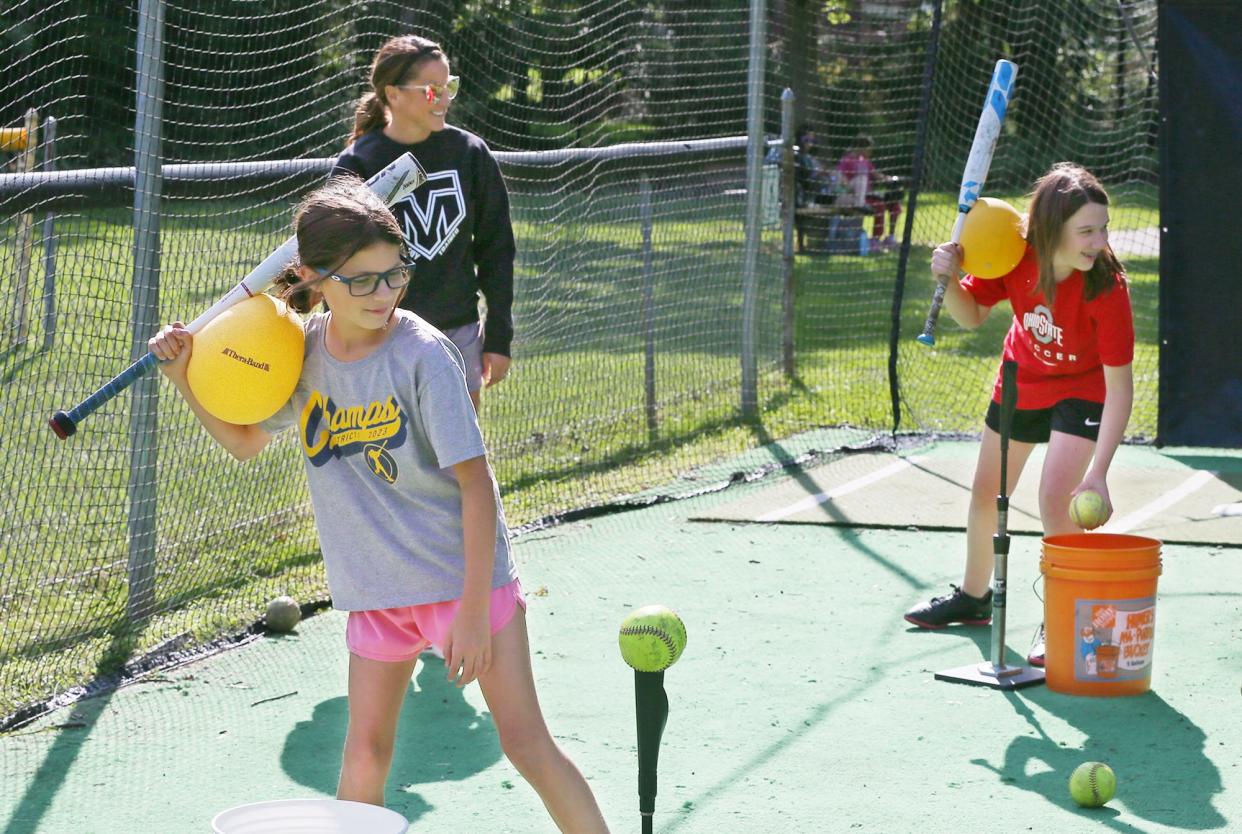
(397, 62)
(1057, 195)
(332, 224)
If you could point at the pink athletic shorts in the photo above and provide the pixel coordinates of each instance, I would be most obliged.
(398, 634)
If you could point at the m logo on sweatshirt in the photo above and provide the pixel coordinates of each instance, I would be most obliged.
(431, 217)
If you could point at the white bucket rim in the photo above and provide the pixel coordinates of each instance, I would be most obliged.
(308, 816)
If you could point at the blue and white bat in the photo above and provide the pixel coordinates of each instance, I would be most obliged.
(393, 184)
(976, 171)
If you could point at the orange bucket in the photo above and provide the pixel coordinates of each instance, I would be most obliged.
(1099, 612)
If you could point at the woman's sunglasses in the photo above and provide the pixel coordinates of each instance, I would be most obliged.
(436, 93)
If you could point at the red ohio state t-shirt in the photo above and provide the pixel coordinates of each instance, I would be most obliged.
(1061, 352)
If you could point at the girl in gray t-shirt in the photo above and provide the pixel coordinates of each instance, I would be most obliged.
(408, 512)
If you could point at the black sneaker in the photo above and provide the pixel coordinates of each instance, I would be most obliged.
(1035, 656)
(957, 607)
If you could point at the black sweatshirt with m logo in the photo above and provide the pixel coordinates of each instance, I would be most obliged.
(457, 226)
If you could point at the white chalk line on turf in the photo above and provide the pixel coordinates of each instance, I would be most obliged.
(1129, 522)
(846, 488)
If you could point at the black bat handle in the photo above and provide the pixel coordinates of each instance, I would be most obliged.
(928, 336)
(65, 423)
(1009, 400)
(651, 708)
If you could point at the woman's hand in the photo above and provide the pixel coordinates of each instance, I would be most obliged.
(495, 368)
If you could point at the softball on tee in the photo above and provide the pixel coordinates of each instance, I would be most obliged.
(1092, 784)
(1087, 509)
(652, 638)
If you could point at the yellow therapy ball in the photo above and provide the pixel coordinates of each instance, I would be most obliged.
(992, 243)
(246, 361)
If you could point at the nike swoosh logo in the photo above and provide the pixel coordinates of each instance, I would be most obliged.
(1092, 422)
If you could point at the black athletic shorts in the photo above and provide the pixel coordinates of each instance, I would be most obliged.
(1080, 418)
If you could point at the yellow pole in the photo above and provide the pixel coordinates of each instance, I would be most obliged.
(12, 139)
(26, 162)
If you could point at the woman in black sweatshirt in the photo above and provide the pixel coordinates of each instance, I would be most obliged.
(456, 224)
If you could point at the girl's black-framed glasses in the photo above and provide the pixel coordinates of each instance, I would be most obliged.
(368, 282)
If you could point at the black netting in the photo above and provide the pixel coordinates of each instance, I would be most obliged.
(630, 276)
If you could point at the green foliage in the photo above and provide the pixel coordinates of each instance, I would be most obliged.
(278, 79)
(837, 12)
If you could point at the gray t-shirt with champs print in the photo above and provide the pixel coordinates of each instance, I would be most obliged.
(379, 436)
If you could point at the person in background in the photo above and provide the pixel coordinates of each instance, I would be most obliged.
(860, 180)
(457, 224)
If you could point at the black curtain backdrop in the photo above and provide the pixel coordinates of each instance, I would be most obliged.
(1201, 240)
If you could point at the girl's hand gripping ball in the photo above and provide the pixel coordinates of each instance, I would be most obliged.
(1087, 509)
(1092, 784)
(652, 638)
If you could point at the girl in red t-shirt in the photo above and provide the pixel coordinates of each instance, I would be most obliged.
(1073, 339)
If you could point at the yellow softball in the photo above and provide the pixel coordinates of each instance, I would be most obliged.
(1092, 784)
(1087, 509)
(652, 638)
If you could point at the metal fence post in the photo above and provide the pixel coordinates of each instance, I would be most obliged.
(49, 240)
(649, 369)
(912, 202)
(787, 230)
(754, 205)
(144, 444)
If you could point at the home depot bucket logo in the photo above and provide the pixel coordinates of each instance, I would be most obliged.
(1114, 639)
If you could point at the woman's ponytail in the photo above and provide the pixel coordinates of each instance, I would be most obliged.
(369, 115)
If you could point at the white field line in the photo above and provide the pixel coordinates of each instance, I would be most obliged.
(836, 492)
(1135, 519)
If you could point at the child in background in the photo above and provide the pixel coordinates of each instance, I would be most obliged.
(858, 175)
